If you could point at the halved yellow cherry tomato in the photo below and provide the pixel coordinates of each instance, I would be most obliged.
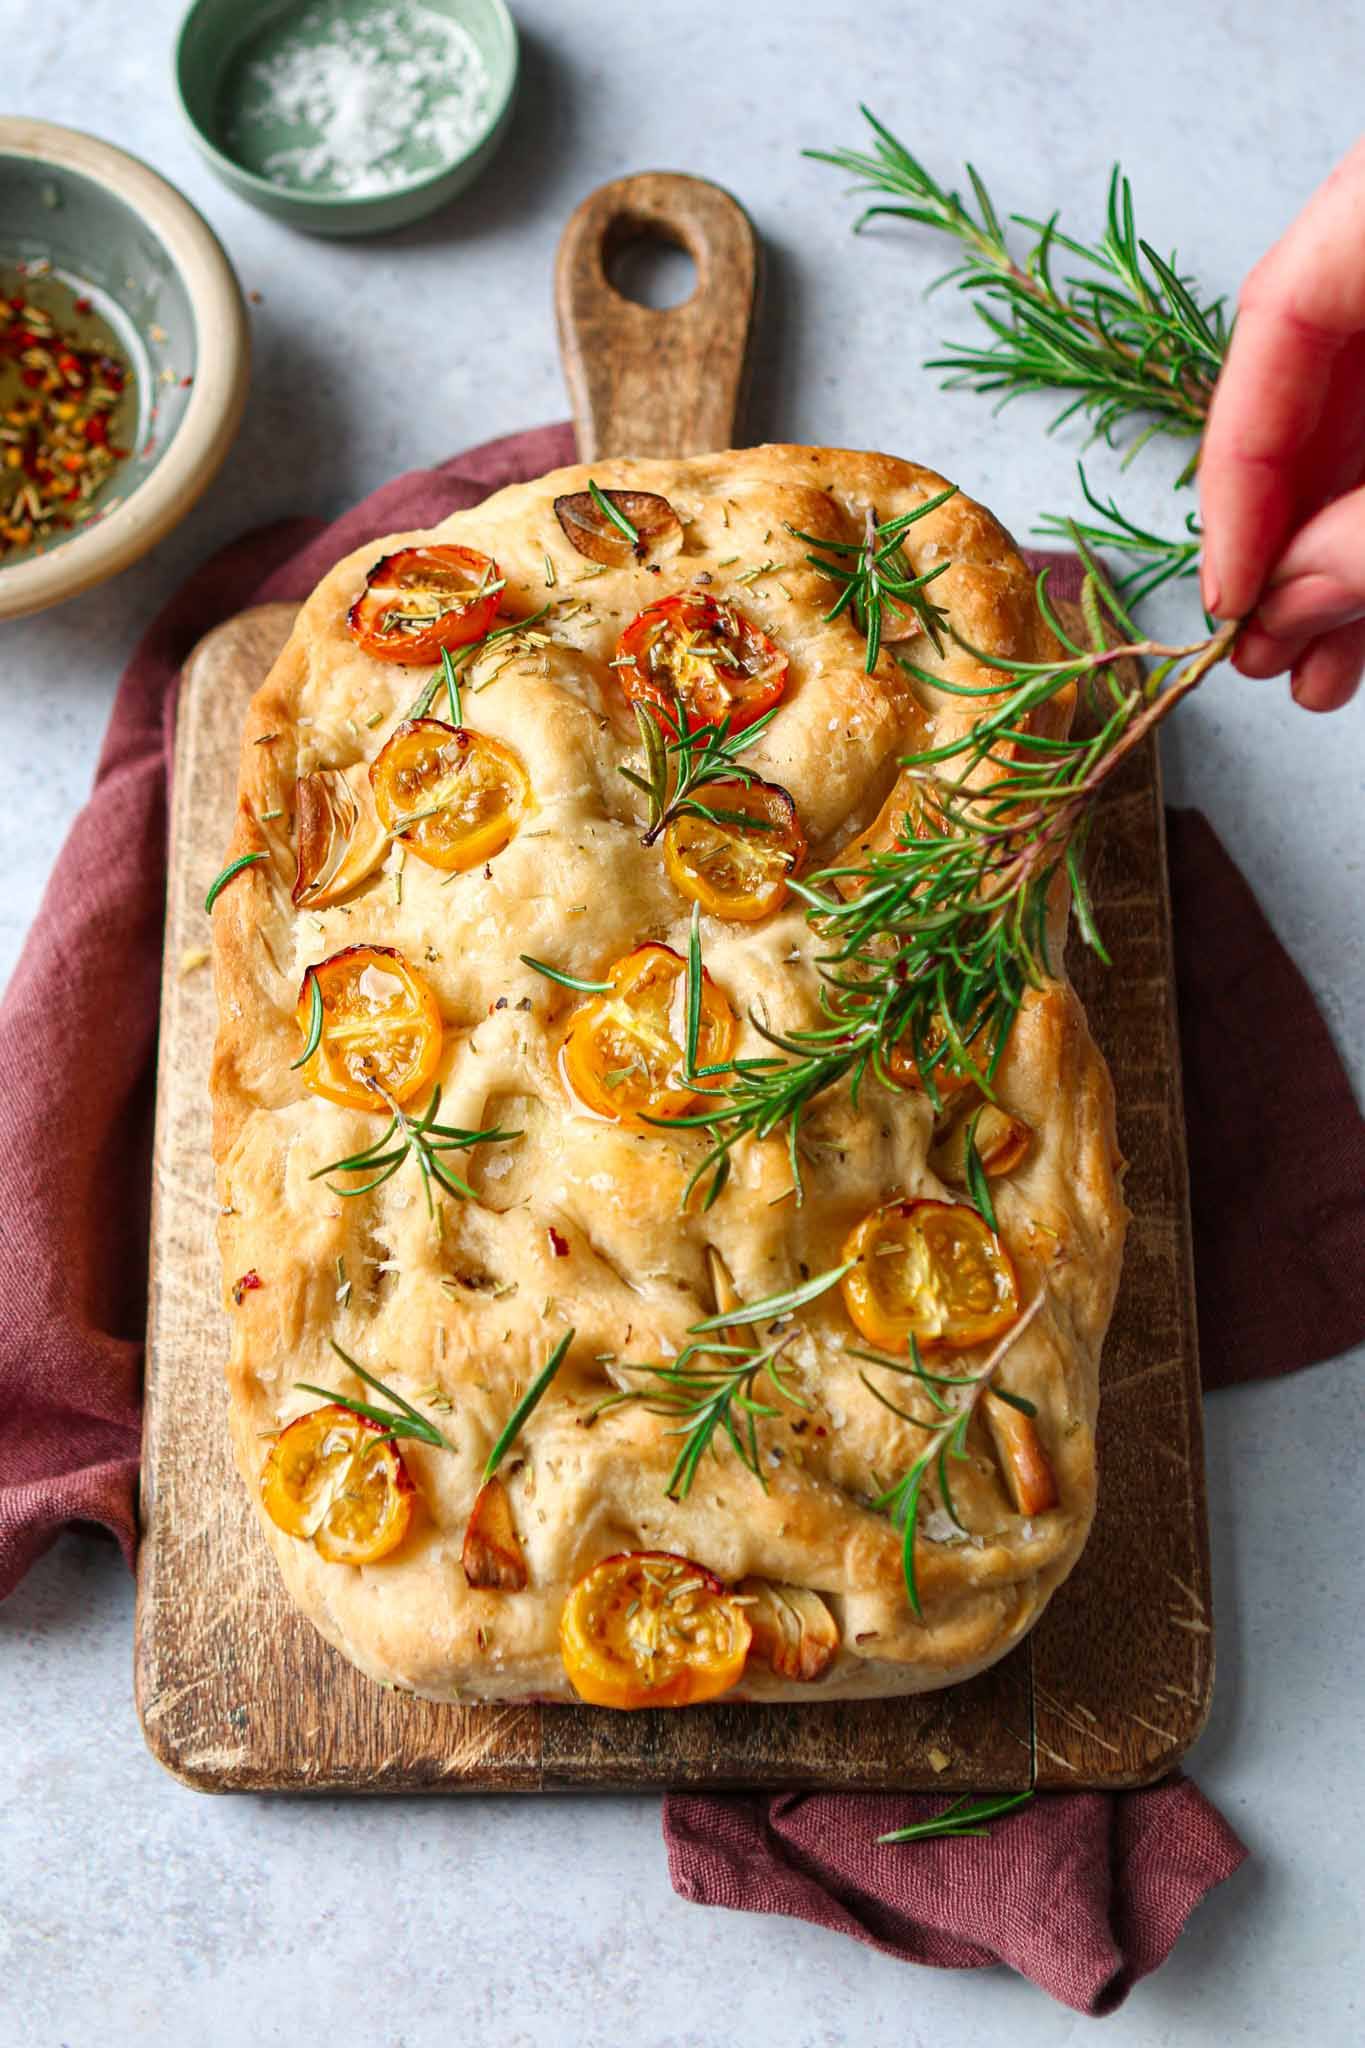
(949, 1077)
(932, 1270)
(333, 1480)
(475, 787)
(733, 868)
(381, 1028)
(624, 1052)
(722, 667)
(420, 600)
(650, 1629)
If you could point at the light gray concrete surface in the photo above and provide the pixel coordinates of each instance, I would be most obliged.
(136, 1912)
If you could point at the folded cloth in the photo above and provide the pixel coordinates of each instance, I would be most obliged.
(1082, 1892)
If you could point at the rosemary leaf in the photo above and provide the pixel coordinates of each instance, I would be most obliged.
(234, 867)
(525, 1405)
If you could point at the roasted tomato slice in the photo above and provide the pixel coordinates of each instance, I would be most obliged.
(475, 788)
(648, 1629)
(333, 1480)
(934, 1271)
(735, 862)
(707, 656)
(624, 1052)
(940, 1063)
(381, 1028)
(423, 599)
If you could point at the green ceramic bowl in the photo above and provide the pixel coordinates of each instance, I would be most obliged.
(347, 117)
(116, 233)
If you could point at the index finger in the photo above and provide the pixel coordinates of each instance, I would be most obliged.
(1299, 307)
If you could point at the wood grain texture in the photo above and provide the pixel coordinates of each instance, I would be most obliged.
(238, 1692)
(646, 381)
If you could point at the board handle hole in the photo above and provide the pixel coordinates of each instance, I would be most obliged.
(649, 266)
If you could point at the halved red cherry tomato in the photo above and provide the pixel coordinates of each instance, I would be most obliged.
(735, 862)
(423, 599)
(333, 1480)
(475, 787)
(705, 654)
(932, 1270)
(624, 1052)
(381, 1028)
(650, 1629)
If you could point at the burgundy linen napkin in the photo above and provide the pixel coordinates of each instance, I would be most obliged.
(1084, 1893)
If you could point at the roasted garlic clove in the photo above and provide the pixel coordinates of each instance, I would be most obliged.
(1026, 1465)
(492, 1554)
(340, 838)
(595, 535)
(1001, 1143)
(794, 1632)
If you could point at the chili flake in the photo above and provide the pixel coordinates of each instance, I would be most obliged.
(58, 394)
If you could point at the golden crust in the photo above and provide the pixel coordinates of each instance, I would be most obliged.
(470, 1316)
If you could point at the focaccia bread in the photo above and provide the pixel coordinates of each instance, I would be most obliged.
(582, 1221)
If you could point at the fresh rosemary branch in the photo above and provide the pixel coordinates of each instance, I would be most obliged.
(1126, 335)
(401, 1420)
(679, 764)
(426, 1141)
(932, 943)
(953, 1399)
(721, 1394)
(1126, 341)
(875, 579)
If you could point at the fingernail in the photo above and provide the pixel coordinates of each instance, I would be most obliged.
(1208, 585)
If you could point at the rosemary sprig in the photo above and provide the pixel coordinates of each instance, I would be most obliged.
(945, 1433)
(932, 943)
(400, 1420)
(679, 764)
(426, 1141)
(709, 1388)
(720, 1396)
(1126, 336)
(529, 1400)
(1128, 341)
(875, 579)
(234, 867)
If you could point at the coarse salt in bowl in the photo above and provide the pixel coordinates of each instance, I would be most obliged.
(347, 117)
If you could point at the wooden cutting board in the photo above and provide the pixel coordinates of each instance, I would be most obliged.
(237, 1691)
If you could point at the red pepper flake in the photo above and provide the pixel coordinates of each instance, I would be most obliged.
(185, 383)
(55, 445)
(559, 1244)
(248, 1283)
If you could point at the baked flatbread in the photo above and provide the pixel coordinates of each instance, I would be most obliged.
(580, 1222)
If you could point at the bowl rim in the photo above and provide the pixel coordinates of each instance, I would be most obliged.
(199, 443)
(295, 197)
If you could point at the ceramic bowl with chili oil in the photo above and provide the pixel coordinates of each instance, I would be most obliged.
(123, 361)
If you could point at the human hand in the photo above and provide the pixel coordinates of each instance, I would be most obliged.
(1282, 465)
